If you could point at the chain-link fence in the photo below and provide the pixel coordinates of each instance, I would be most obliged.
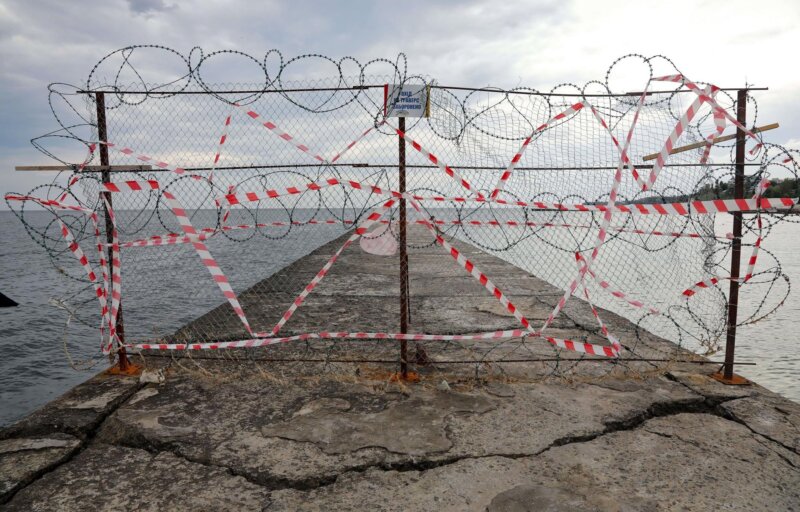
(254, 214)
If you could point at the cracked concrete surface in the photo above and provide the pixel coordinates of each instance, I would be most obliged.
(224, 435)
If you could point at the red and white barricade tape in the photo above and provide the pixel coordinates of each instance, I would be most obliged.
(684, 208)
(223, 138)
(435, 160)
(605, 223)
(572, 345)
(191, 235)
(616, 293)
(101, 290)
(615, 344)
(360, 230)
(116, 277)
(484, 280)
(518, 156)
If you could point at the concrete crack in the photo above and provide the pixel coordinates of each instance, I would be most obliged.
(723, 413)
(85, 441)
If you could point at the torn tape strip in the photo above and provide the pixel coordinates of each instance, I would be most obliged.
(686, 208)
(577, 346)
(605, 223)
(518, 156)
(360, 230)
(116, 278)
(205, 256)
(434, 159)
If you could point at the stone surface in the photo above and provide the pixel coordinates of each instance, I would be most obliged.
(415, 426)
(78, 411)
(710, 388)
(771, 416)
(672, 463)
(113, 478)
(298, 427)
(23, 459)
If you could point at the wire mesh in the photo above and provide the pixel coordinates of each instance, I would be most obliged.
(319, 157)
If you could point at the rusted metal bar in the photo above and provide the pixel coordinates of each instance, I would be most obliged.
(404, 306)
(102, 135)
(432, 86)
(142, 168)
(455, 361)
(220, 93)
(86, 168)
(736, 244)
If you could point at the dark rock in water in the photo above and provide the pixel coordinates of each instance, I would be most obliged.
(5, 302)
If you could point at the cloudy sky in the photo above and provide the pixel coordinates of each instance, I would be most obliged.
(536, 43)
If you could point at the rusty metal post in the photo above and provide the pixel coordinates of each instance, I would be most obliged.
(736, 246)
(404, 307)
(102, 135)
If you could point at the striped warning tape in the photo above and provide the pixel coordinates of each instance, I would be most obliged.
(101, 292)
(573, 345)
(518, 156)
(484, 280)
(680, 208)
(116, 278)
(360, 230)
(605, 223)
(356, 141)
(751, 262)
(206, 257)
(704, 96)
(435, 160)
(615, 344)
(222, 139)
(206, 233)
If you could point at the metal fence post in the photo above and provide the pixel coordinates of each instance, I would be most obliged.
(727, 376)
(404, 306)
(102, 135)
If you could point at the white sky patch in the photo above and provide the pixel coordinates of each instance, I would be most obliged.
(532, 43)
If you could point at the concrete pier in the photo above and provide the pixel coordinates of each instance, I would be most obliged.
(241, 431)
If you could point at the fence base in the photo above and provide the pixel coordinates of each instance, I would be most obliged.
(735, 380)
(407, 376)
(131, 370)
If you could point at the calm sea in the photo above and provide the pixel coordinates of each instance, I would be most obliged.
(34, 340)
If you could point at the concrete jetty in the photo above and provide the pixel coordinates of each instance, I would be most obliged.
(261, 430)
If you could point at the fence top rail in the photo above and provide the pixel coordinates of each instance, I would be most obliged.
(148, 168)
(377, 86)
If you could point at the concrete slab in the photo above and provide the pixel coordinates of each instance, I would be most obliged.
(111, 478)
(670, 463)
(22, 460)
(78, 411)
(492, 424)
(769, 415)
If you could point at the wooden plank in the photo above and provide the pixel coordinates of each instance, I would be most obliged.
(88, 168)
(697, 145)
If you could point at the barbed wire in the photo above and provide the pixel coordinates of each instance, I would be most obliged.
(322, 103)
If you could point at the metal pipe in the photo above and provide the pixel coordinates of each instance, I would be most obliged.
(102, 135)
(433, 86)
(452, 361)
(736, 244)
(404, 306)
(134, 168)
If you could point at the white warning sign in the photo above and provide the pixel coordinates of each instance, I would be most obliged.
(406, 101)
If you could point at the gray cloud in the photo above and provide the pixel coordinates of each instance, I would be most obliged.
(537, 43)
(149, 6)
